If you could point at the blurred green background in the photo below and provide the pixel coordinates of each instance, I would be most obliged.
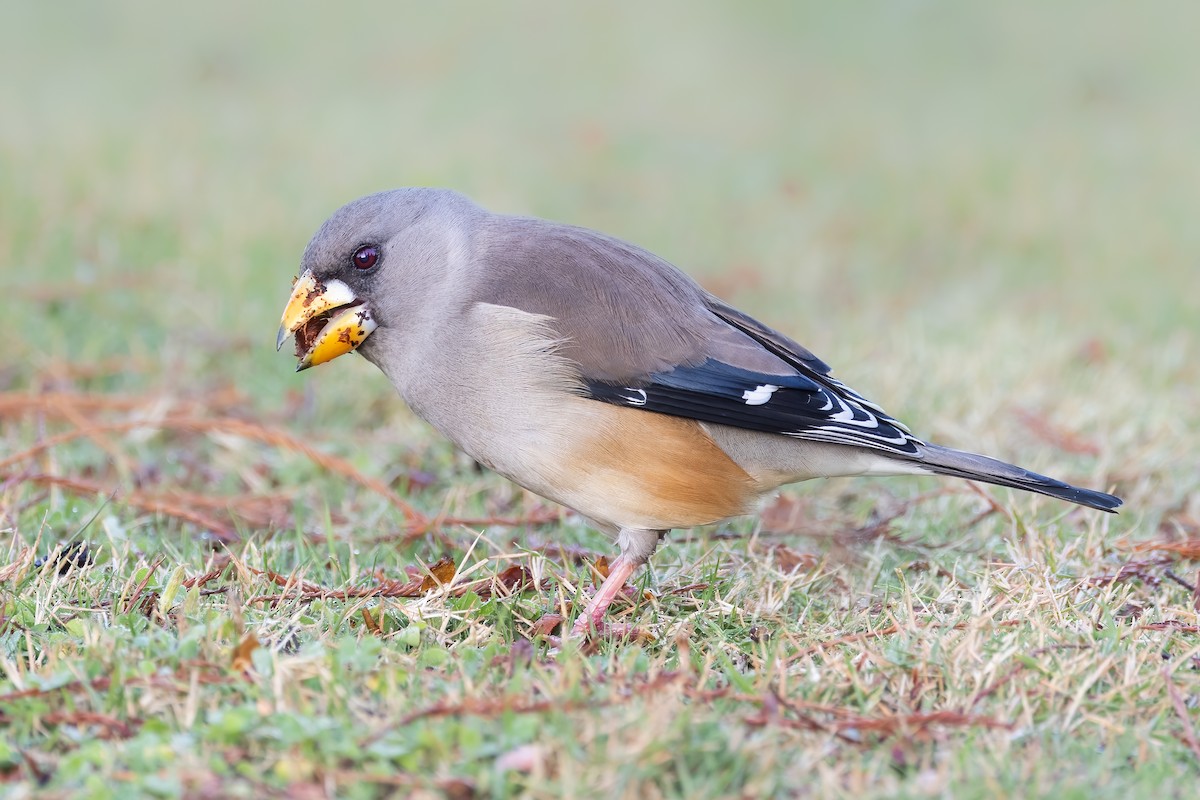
(916, 152)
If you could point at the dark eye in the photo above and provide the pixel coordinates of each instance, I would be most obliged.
(365, 256)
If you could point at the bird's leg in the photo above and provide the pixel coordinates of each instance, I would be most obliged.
(636, 548)
(592, 617)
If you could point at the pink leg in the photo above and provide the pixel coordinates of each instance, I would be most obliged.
(592, 617)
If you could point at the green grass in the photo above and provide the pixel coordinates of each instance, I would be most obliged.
(984, 216)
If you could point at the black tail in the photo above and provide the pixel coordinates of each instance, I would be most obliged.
(960, 464)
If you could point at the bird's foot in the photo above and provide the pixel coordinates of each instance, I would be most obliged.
(597, 630)
(588, 636)
(591, 626)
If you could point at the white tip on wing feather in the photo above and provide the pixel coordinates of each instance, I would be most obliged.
(759, 394)
(637, 398)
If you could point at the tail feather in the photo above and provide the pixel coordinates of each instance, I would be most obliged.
(960, 464)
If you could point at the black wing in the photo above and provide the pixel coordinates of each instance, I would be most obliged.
(809, 406)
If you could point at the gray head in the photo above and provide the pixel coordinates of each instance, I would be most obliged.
(388, 238)
(373, 265)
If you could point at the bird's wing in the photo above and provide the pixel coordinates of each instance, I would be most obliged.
(802, 404)
(646, 336)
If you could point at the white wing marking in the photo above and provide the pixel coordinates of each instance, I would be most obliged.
(759, 395)
(638, 398)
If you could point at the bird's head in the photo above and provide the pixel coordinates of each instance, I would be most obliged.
(368, 267)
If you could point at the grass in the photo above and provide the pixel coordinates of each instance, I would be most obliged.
(983, 216)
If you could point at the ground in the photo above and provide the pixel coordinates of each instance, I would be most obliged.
(219, 578)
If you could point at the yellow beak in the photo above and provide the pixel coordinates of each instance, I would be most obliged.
(327, 318)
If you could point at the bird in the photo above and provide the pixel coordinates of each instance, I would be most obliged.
(594, 373)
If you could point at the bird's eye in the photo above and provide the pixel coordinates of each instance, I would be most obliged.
(365, 257)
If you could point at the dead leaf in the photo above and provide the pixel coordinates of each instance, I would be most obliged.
(440, 574)
(546, 624)
(241, 654)
(457, 788)
(788, 559)
(599, 571)
(370, 622)
(514, 578)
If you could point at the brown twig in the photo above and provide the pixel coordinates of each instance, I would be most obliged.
(112, 728)
(888, 725)
(509, 704)
(220, 564)
(508, 581)
(1019, 667)
(207, 674)
(844, 721)
(155, 505)
(1186, 548)
(236, 427)
(1173, 577)
(103, 442)
(17, 403)
(1170, 625)
(141, 587)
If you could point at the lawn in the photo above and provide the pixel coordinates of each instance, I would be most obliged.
(220, 578)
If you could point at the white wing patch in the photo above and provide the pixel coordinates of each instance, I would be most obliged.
(638, 398)
(759, 395)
